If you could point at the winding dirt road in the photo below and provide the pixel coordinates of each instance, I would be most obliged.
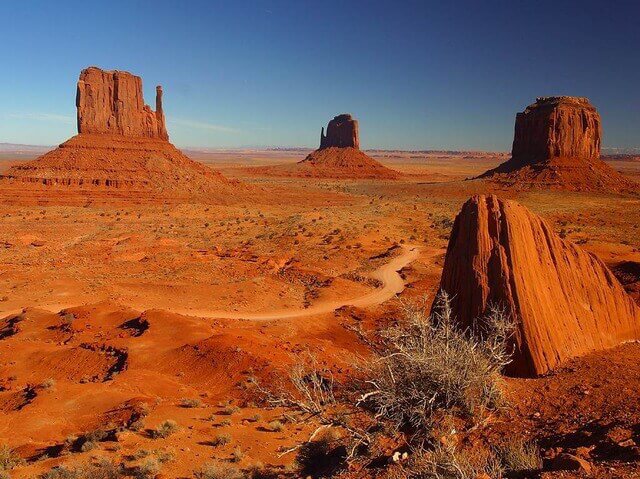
(387, 273)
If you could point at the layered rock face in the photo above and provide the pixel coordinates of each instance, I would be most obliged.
(565, 126)
(111, 102)
(557, 145)
(564, 300)
(121, 144)
(342, 132)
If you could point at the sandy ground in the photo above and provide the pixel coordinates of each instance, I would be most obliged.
(120, 304)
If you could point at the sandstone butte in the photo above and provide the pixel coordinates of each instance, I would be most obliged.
(565, 301)
(556, 145)
(339, 155)
(122, 144)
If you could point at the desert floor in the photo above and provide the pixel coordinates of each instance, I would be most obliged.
(107, 307)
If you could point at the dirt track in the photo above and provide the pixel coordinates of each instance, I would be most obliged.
(387, 274)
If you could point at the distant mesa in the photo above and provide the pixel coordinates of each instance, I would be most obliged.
(122, 144)
(565, 301)
(339, 156)
(342, 132)
(556, 145)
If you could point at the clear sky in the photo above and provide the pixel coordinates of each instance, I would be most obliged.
(417, 74)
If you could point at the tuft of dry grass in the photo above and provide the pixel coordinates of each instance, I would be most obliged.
(165, 429)
(8, 458)
(218, 471)
(429, 364)
(221, 440)
(518, 455)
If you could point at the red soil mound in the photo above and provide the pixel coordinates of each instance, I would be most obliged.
(557, 145)
(117, 161)
(565, 301)
(333, 162)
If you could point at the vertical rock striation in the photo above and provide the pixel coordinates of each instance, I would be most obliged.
(556, 145)
(565, 301)
(564, 127)
(111, 102)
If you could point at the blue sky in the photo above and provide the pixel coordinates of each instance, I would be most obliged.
(417, 74)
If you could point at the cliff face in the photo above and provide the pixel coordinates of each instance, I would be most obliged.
(565, 301)
(342, 132)
(111, 102)
(567, 127)
(556, 145)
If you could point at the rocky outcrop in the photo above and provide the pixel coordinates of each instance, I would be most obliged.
(564, 300)
(342, 132)
(557, 145)
(111, 102)
(122, 144)
(557, 126)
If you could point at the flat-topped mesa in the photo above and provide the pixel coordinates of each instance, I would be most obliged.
(342, 132)
(111, 102)
(556, 145)
(564, 300)
(557, 127)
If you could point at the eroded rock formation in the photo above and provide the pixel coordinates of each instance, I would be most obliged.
(564, 300)
(111, 102)
(342, 132)
(557, 145)
(121, 144)
(564, 126)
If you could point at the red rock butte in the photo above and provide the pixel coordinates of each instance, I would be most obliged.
(565, 301)
(342, 132)
(111, 102)
(556, 145)
(122, 144)
(339, 155)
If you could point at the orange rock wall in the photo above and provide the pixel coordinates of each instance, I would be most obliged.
(111, 102)
(565, 300)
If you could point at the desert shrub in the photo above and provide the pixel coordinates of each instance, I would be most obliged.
(229, 410)
(429, 365)
(276, 426)
(221, 440)
(59, 472)
(103, 469)
(445, 462)
(165, 429)
(218, 471)
(323, 456)
(518, 455)
(4, 475)
(190, 403)
(8, 458)
(148, 469)
(237, 455)
(225, 422)
(48, 383)
(88, 446)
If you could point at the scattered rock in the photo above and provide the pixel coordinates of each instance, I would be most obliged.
(569, 462)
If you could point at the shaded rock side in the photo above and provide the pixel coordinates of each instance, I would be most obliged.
(565, 301)
(342, 132)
